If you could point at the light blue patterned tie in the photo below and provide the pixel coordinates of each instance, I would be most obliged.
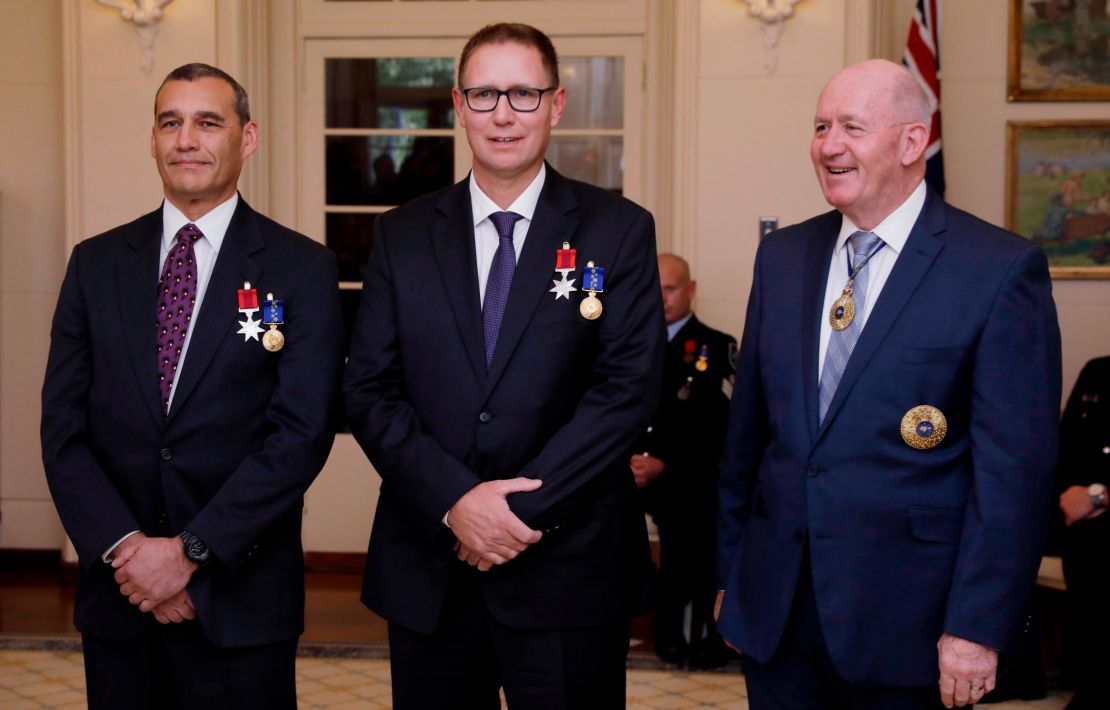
(500, 278)
(841, 342)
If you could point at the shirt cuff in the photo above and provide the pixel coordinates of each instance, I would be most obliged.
(107, 556)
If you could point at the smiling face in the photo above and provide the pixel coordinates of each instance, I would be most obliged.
(508, 145)
(868, 143)
(198, 143)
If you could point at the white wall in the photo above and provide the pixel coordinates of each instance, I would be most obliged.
(32, 232)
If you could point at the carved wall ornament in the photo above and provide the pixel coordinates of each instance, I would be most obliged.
(145, 15)
(772, 15)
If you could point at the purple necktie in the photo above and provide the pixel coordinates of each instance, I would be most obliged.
(500, 278)
(176, 297)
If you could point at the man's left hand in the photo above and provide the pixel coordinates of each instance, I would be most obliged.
(156, 571)
(967, 670)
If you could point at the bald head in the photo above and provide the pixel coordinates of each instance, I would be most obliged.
(677, 286)
(871, 128)
(892, 86)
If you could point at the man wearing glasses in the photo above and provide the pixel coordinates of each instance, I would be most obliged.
(507, 347)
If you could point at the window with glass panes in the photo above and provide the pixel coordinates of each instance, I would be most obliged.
(389, 133)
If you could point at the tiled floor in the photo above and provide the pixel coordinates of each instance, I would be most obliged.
(55, 679)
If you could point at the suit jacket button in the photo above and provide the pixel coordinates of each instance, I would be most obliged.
(812, 471)
(484, 417)
(166, 454)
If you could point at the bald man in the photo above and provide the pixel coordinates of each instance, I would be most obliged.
(892, 436)
(677, 465)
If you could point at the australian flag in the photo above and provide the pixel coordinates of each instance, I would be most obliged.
(922, 58)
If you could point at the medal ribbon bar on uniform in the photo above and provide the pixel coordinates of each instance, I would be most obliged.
(248, 297)
(273, 312)
(594, 278)
(565, 257)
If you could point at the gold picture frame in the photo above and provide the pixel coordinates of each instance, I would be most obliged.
(1058, 51)
(1058, 193)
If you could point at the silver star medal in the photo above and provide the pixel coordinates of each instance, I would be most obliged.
(564, 265)
(248, 306)
(251, 328)
(562, 288)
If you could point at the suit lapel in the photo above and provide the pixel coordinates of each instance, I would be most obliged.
(815, 276)
(453, 245)
(920, 252)
(137, 287)
(219, 311)
(552, 224)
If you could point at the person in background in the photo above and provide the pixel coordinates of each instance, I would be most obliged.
(677, 466)
(1082, 477)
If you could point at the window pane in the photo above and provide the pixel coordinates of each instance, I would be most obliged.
(389, 92)
(595, 92)
(349, 235)
(598, 160)
(386, 170)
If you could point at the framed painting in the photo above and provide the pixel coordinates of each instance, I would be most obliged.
(1058, 192)
(1059, 51)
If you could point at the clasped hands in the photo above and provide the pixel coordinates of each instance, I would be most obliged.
(152, 573)
(488, 533)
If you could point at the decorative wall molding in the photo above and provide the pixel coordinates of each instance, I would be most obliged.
(243, 50)
(145, 15)
(687, 88)
(772, 15)
(71, 124)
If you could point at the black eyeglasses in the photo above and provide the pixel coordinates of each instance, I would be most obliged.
(524, 99)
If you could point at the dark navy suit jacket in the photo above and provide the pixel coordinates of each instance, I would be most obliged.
(247, 432)
(562, 401)
(905, 543)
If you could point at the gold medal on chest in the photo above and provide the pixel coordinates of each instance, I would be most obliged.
(923, 427)
(273, 340)
(843, 311)
(590, 308)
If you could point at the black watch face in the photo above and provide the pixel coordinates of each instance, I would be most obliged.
(196, 551)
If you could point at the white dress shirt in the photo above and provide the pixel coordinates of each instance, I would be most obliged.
(673, 328)
(894, 231)
(485, 234)
(213, 226)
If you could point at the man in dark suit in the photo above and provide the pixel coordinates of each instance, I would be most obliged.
(891, 442)
(677, 465)
(184, 416)
(508, 350)
(1082, 477)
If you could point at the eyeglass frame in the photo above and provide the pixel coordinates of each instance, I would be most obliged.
(506, 93)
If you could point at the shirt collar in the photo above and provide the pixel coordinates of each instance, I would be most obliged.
(673, 328)
(896, 228)
(213, 225)
(482, 206)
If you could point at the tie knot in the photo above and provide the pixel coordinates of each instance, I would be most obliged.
(503, 222)
(863, 243)
(189, 232)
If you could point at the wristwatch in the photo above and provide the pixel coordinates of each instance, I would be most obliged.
(195, 549)
(1097, 491)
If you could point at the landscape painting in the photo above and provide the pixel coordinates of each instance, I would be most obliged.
(1059, 50)
(1059, 192)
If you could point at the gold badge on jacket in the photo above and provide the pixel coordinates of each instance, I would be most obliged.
(924, 427)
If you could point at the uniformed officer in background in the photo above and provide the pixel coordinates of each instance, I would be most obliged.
(1083, 476)
(677, 466)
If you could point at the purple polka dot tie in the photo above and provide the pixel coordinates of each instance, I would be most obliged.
(500, 278)
(176, 298)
